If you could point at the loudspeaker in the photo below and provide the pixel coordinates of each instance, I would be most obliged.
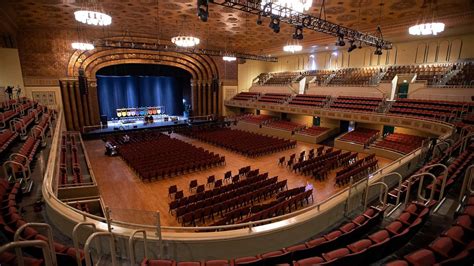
(83, 87)
(103, 120)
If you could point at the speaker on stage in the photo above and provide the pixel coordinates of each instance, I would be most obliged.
(83, 86)
(103, 120)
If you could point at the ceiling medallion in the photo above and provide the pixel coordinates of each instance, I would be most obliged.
(427, 28)
(185, 41)
(93, 18)
(82, 46)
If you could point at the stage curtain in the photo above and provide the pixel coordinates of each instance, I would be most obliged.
(138, 91)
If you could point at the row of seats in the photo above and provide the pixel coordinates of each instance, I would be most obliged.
(354, 77)
(465, 77)
(246, 96)
(365, 104)
(7, 137)
(401, 143)
(246, 143)
(69, 161)
(360, 135)
(314, 131)
(257, 119)
(343, 235)
(16, 108)
(309, 100)
(157, 155)
(357, 173)
(285, 125)
(274, 97)
(453, 247)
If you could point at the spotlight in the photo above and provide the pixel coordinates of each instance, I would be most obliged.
(259, 19)
(360, 45)
(203, 10)
(298, 35)
(378, 50)
(352, 46)
(340, 40)
(275, 24)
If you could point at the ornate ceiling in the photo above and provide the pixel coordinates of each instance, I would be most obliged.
(230, 29)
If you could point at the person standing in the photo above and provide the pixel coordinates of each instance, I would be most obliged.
(18, 92)
(9, 91)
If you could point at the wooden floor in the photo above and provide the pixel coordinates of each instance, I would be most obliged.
(133, 200)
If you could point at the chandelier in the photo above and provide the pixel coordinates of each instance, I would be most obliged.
(427, 28)
(292, 46)
(93, 18)
(229, 58)
(295, 5)
(82, 46)
(185, 41)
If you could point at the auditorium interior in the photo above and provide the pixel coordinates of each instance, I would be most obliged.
(236, 132)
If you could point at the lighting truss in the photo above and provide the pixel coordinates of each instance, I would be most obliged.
(296, 19)
(172, 48)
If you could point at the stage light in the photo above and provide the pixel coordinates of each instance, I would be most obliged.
(340, 40)
(352, 46)
(259, 19)
(378, 50)
(203, 10)
(360, 45)
(298, 35)
(275, 24)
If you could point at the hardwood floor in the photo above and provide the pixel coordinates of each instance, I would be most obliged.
(133, 200)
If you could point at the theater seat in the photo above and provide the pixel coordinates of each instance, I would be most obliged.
(394, 228)
(309, 261)
(189, 263)
(379, 236)
(397, 263)
(457, 234)
(465, 221)
(217, 263)
(251, 260)
(443, 246)
(333, 235)
(359, 245)
(147, 262)
(348, 227)
(316, 242)
(422, 257)
(335, 254)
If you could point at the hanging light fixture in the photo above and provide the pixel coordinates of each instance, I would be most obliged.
(295, 5)
(94, 18)
(426, 27)
(183, 40)
(82, 46)
(292, 47)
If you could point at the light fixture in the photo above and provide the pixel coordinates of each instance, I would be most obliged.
(93, 18)
(427, 28)
(378, 50)
(298, 35)
(82, 46)
(229, 58)
(352, 46)
(203, 10)
(295, 5)
(292, 47)
(275, 24)
(340, 40)
(185, 41)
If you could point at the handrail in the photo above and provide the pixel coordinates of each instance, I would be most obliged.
(465, 140)
(131, 247)
(445, 176)
(111, 246)
(49, 230)
(400, 181)
(420, 185)
(75, 238)
(384, 200)
(467, 182)
(17, 245)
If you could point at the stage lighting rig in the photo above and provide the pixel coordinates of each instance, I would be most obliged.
(298, 35)
(275, 24)
(378, 50)
(203, 10)
(352, 46)
(283, 14)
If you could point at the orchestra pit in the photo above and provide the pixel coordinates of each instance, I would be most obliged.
(230, 132)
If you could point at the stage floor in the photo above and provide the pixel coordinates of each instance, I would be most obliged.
(133, 200)
(138, 124)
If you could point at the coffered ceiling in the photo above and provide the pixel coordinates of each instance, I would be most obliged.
(234, 30)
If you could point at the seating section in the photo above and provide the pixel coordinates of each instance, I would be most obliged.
(285, 125)
(354, 77)
(274, 98)
(360, 135)
(432, 73)
(309, 100)
(318, 76)
(246, 143)
(257, 119)
(465, 77)
(364, 104)
(13, 108)
(246, 96)
(7, 137)
(401, 143)
(453, 247)
(357, 171)
(281, 78)
(72, 158)
(154, 155)
(11, 219)
(314, 131)
(443, 110)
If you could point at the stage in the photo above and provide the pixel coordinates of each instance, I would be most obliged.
(134, 124)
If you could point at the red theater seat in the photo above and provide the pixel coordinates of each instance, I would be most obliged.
(309, 261)
(422, 257)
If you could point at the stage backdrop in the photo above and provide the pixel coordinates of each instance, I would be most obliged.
(139, 91)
